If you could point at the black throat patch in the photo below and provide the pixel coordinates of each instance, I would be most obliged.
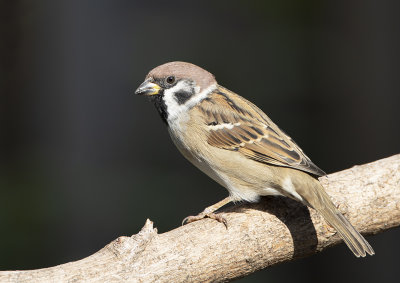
(160, 106)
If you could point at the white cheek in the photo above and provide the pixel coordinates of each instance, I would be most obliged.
(175, 109)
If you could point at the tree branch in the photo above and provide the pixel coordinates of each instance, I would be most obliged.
(258, 235)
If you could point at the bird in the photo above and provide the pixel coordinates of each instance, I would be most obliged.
(236, 144)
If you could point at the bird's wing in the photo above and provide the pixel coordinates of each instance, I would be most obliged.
(238, 125)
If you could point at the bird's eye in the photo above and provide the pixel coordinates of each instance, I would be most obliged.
(170, 80)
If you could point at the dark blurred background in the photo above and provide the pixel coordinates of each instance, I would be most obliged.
(83, 160)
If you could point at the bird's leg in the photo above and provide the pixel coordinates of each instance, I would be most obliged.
(209, 213)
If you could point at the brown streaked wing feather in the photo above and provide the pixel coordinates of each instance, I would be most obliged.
(252, 133)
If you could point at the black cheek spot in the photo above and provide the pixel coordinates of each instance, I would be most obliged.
(212, 124)
(182, 96)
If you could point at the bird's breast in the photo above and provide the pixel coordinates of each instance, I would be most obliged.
(191, 141)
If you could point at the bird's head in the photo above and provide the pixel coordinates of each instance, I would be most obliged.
(175, 87)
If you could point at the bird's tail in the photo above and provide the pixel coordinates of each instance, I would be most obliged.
(353, 239)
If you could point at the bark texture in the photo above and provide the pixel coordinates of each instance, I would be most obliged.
(258, 235)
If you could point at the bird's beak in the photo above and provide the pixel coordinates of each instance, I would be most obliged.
(148, 88)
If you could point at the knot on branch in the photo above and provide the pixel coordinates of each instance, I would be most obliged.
(129, 248)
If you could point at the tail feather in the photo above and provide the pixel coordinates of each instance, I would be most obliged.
(353, 239)
(320, 201)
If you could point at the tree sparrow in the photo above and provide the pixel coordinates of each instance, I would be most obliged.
(236, 144)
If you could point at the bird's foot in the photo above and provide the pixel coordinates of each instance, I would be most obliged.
(203, 215)
(209, 213)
